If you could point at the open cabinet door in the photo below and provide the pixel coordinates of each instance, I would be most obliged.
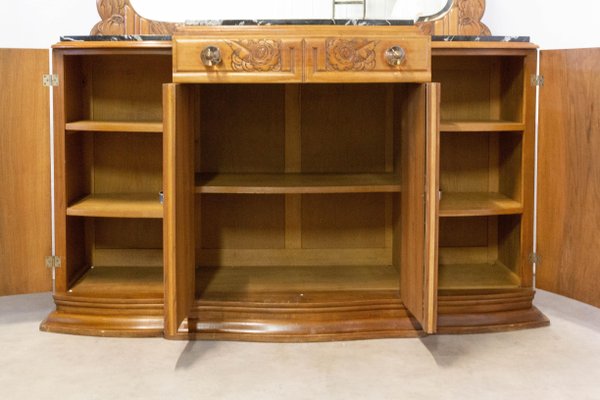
(178, 185)
(420, 203)
(568, 222)
(25, 204)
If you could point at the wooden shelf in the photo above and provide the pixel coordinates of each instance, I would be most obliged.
(248, 280)
(297, 183)
(477, 204)
(125, 282)
(476, 276)
(115, 126)
(480, 126)
(118, 205)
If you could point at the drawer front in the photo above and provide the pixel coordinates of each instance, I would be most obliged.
(368, 59)
(256, 59)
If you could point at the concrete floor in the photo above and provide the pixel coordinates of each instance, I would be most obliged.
(558, 362)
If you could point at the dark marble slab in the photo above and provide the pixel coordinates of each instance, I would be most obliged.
(436, 38)
(253, 22)
(113, 38)
(462, 38)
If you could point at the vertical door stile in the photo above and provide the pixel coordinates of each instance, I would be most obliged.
(178, 186)
(432, 179)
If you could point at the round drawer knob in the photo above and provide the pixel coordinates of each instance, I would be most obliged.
(395, 56)
(210, 56)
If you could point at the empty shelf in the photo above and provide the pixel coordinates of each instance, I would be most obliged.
(247, 280)
(297, 183)
(477, 204)
(480, 126)
(125, 282)
(476, 276)
(115, 126)
(118, 205)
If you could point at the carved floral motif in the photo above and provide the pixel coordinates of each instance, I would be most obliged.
(466, 13)
(470, 13)
(115, 15)
(262, 55)
(350, 55)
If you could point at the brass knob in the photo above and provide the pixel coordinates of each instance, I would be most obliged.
(210, 56)
(395, 56)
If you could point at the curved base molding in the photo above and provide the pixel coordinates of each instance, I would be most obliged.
(312, 320)
(106, 317)
(316, 318)
(490, 312)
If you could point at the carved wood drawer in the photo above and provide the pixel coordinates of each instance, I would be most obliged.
(244, 59)
(367, 59)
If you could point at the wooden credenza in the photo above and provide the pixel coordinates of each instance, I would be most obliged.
(320, 183)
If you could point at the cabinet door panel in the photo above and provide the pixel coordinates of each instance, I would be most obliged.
(25, 223)
(419, 209)
(180, 104)
(568, 222)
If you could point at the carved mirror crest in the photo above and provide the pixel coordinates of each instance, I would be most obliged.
(453, 17)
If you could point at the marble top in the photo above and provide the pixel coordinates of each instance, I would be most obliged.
(113, 38)
(463, 38)
(436, 38)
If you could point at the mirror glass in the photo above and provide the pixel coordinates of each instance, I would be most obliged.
(194, 10)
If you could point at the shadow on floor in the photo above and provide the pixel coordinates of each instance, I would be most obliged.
(445, 351)
(193, 352)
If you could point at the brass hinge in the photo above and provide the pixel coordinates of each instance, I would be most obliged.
(53, 262)
(50, 80)
(537, 80)
(535, 258)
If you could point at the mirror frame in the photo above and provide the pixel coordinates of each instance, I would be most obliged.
(459, 17)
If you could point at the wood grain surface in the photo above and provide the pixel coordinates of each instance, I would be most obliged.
(25, 224)
(569, 175)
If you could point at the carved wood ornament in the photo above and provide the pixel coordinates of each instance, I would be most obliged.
(118, 17)
(261, 55)
(350, 55)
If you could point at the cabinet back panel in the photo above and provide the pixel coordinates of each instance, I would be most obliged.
(242, 222)
(251, 230)
(480, 88)
(344, 221)
(464, 163)
(120, 90)
(463, 232)
(242, 128)
(127, 163)
(481, 162)
(346, 128)
(480, 240)
(127, 233)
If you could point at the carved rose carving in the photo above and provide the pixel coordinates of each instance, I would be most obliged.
(463, 19)
(114, 15)
(262, 55)
(470, 13)
(350, 55)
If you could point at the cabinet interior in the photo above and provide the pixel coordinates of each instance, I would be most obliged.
(481, 171)
(299, 191)
(113, 172)
(480, 88)
(114, 86)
